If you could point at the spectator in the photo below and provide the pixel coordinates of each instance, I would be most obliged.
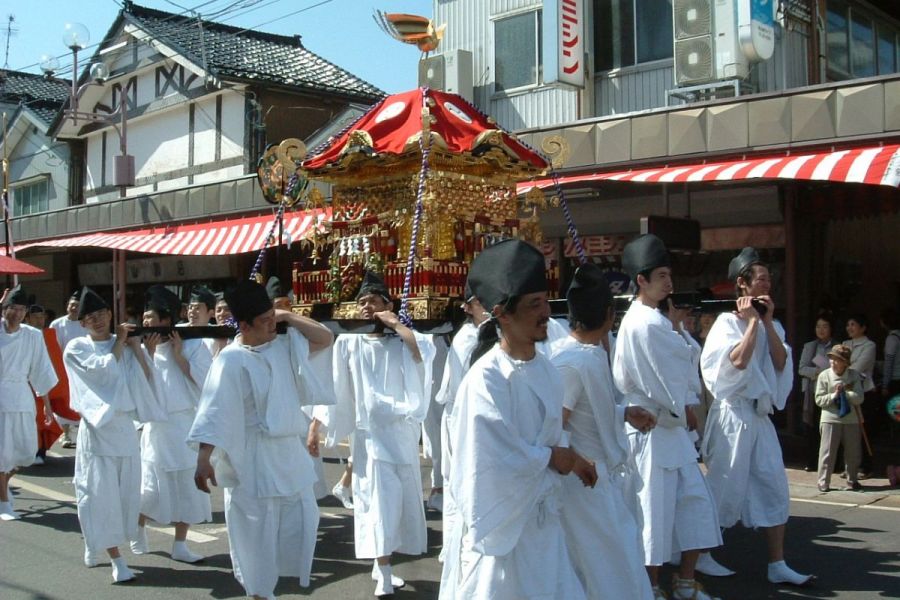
(814, 360)
(890, 379)
(862, 360)
(838, 394)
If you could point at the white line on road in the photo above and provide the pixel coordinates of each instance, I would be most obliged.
(846, 504)
(194, 536)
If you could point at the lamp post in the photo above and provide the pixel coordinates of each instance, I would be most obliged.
(75, 38)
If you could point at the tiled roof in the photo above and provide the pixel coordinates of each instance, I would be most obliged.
(43, 96)
(233, 53)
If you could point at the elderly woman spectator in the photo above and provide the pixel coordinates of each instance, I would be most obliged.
(862, 360)
(814, 360)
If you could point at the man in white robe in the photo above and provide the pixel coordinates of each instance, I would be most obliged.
(251, 433)
(655, 367)
(111, 386)
(746, 365)
(67, 328)
(509, 451)
(24, 364)
(431, 426)
(602, 523)
(386, 379)
(457, 363)
(168, 493)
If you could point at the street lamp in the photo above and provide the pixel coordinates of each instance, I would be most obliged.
(75, 38)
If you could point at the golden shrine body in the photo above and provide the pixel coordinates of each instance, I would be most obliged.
(426, 145)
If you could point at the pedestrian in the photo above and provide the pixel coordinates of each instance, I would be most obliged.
(457, 363)
(813, 360)
(746, 364)
(655, 367)
(509, 452)
(67, 328)
(602, 521)
(386, 379)
(431, 426)
(251, 434)
(24, 366)
(839, 393)
(112, 386)
(168, 493)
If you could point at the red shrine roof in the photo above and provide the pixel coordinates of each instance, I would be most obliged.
(394, 126)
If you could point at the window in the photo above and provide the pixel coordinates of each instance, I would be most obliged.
(860, 41)
(517, 51)
(31, 198)
(629, 32)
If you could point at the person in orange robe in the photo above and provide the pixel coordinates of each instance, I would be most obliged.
(48, 429)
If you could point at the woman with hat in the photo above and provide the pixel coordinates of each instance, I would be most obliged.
(839, 391)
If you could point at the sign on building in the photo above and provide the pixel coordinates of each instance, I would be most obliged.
(564, 42)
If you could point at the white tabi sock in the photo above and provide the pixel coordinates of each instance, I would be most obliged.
(689, 589)
(120, 571)
(383, 583)
(7, 513)
(182, 553)
(397, 582)
(140, 545)
(779, 572)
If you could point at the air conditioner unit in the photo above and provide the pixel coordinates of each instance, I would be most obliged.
(449, 72)
(708, 39)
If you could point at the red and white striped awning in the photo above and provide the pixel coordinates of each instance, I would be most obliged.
(232, 236)
(877, 165)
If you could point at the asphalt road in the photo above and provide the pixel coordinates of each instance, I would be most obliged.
(849, 540)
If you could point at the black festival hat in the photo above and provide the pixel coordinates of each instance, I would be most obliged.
(589, 297)
(202, 294)
(748, 256)
(643, 254)
(508, 269)
(17, 295)
(247, 300)
(372, 283)
(89, 302)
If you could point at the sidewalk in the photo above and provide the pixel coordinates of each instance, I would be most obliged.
(876, 492)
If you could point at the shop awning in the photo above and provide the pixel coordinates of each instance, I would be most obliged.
(217, 238)
(876, 165)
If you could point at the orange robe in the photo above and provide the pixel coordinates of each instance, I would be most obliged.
(59, 396)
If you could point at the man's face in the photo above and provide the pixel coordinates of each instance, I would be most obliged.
(72, 309)
(37, 320)
(150, 318)
(198, 314)
(97, 322)
(474, 309)
(14, 315)
(658, 285)
(262, 329)
(838, 366)
(529, 321)
(760, 283)
(223, 313)
(370, 304)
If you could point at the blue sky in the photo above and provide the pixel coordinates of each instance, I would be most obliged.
(341, 31)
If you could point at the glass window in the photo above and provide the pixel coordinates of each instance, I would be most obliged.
(517, 51)
(629, 32)
(31, 198)
(836, 37)
(862, 32)
(654, 20)
(887, 51)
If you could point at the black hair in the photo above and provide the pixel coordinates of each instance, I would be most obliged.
(746, 275)
(859, 318)
(488, 332)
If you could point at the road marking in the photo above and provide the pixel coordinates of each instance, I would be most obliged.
(876, 507)
(194, 536)
(828, 502)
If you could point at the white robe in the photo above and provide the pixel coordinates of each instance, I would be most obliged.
(67, 330)
(603, 521)
(389, 393)
(110, 394)
(251, 411)
(745, 468)
(432, 446)
(508, 416)
(455, 368)
(168, 492)
(655, 367)
(24, 364)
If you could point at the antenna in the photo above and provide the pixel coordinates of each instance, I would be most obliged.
(10, 31)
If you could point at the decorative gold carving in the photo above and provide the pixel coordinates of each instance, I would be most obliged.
(304, 310)
(557, 149)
